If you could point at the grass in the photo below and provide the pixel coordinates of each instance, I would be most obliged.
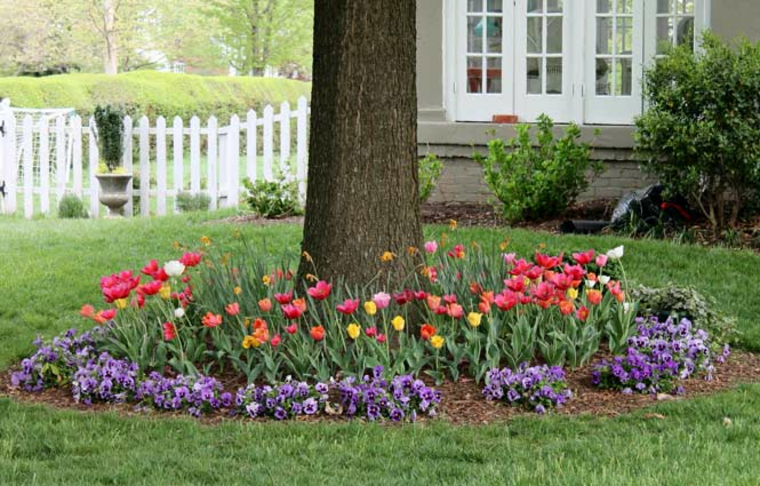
(50, 267)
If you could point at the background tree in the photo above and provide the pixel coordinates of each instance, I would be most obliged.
(257, 34)
(362, 197)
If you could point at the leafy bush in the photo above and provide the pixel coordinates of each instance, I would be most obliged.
(686, 303)
(275, 199)
(535, 182)
(154, 94)
(110, 135)
(700, 134)
(71, 207)
(188, 202)
(429, 172)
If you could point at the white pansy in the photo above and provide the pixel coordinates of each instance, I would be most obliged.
(174, 268)
(616, 253)
(179, 312)
(604, 279)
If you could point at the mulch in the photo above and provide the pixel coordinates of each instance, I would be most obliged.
(462, 401)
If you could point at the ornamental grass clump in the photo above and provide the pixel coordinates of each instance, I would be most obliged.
(374, 398)
(538, 388)
(285, 401)
(659, 357)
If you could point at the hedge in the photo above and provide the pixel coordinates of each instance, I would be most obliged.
(153, 93)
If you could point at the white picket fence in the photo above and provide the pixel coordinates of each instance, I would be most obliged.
(41, 158)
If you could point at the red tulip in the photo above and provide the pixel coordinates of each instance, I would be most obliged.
(547, 261)
(320, 291)
(348, 306)
(285, 298)
(87, 311)
(170, 331)
(265, 305)
(275, 341)
(212, 320)
(381, 338)
(371, 331)
(232, 309)
(584, 258)
(108, 314)
(152, 288)
(291, 312)
(455, 311)
(427, 331)
(292, 329)
(190, 259)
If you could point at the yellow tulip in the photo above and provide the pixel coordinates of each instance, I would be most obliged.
(237, 290)
(437, 341)
(370, 308)
(354, 331)
(250, 342)
(572, 293)
(165, 292)
(120, 303)
(474, 318)
(398, 323)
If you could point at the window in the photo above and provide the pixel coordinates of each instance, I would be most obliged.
(575, 60)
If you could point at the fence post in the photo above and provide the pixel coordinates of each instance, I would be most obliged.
(285, 167)
(233, 159)
(92, 150)
(28, 168)
(61, 162)
(129, 209)
(302, 146)
(179, 169)
(195, 155)
(76, 141)
(161, 165)
(268, 142)
(9, 167)
(211, 161)
(251, 148)
(144, 166)
(44, 165)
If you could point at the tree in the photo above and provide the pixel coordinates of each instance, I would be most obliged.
(362, 197)
(257, 34)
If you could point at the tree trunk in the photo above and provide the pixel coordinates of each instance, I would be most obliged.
(362, 197)
(110, 57)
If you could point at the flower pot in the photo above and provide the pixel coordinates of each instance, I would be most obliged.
(113, 192)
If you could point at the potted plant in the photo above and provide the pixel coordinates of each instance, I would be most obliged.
(114, 180)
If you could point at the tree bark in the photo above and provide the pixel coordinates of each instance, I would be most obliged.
(110, 55)
(362, 197)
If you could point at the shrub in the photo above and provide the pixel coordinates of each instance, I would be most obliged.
(429, 172)
(686, 303)
(275, 199)
(535, 182)
(110, 135)
(71, 207)
(154, 94)
(700, 134)
(188, 202)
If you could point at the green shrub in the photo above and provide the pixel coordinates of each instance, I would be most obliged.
(535, 182)
(110, 125)
(152, 93)
(276, 199)
(680, 302)
(700, 134)
(187, 202)
(430, 169)
(71, 207)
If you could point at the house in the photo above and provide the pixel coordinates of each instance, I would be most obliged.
(480, 62)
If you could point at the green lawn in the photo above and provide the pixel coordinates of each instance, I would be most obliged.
(48, 268)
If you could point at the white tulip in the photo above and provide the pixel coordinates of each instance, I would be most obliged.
(590, 284)
(604, 279)
(626, 306)
(616, 253)
(174, 268)
(179, 312)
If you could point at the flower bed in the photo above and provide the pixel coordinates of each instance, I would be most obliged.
(465, 310)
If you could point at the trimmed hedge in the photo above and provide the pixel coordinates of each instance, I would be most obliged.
(154, 93)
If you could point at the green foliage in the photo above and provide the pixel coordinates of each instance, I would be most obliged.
(430, 168)
(687, 302)
(700, 135)
(276, 199)
(71, 207)
(188, 202)
(154, 94)
(110, 134)
(538, 181)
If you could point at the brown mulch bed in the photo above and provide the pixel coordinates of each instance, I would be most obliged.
(462, 401)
